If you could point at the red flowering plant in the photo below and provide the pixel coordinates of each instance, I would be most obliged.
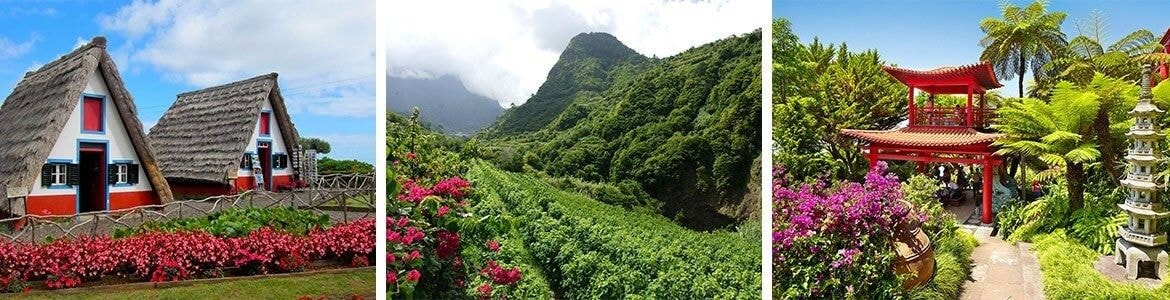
(429, 223)
(173, 256)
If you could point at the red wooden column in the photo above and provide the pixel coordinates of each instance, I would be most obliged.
(871, 157)
(970, 112)
(987, 167)
(911, 112)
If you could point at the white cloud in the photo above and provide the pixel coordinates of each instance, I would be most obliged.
(504, 50)
(204, 43)
(12, 49)
(340, 102)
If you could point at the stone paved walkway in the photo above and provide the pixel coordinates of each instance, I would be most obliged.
(1002, 270)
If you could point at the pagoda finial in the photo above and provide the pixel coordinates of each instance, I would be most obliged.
(1146, 95)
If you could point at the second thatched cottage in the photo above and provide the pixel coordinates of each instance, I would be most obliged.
(236, 136)
(71, 142)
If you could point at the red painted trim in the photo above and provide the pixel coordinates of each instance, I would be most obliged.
(244, 183)
(122, 200)
(51, 205)
(281, 180)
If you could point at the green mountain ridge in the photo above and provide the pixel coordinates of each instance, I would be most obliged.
(585, 66)
(686, 128)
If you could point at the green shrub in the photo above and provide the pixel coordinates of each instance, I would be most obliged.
(1069, 274)
(237, 222)
(952, 245)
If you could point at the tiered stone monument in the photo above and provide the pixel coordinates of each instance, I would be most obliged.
(1140, 248)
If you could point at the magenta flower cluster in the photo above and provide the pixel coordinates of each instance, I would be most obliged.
(829, 238)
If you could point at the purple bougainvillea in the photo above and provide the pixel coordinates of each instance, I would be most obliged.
(834, 240)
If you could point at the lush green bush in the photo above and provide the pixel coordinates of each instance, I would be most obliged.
(1069, 274)
(952, 245)
(237, 222)
(1095, 225)
(588, 249)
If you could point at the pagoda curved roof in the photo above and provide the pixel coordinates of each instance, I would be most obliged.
(925, 136)
(948, 80)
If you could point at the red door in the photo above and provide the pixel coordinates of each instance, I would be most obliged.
(91, 187)
(264, 150)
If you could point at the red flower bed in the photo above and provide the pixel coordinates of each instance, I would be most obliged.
(167, 256)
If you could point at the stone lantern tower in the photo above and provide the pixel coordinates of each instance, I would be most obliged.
(1140, 248)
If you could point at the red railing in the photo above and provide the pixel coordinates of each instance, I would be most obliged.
(955, 116)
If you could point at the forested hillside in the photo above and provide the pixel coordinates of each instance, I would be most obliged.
(684, 128)
(587, 67)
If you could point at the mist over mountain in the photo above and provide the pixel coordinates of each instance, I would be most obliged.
(444, 102)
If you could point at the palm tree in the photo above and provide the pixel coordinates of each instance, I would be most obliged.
(1059, 133)
(1124, 59)
(1025, 38)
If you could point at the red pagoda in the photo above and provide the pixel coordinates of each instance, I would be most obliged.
(937, 134)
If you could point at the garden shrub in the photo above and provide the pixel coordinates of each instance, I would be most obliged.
(836, 241)
(439, 246)
(1068, 272)
(952, 245)
(237, 222)
(1095, 225)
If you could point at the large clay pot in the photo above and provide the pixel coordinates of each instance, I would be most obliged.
(914, 253)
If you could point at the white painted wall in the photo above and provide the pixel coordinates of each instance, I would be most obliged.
(119, 146)
(278, 143)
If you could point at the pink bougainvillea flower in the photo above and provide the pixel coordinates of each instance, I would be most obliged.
(493, 246)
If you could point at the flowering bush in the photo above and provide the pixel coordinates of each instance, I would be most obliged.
(836, 241)
(172, 256)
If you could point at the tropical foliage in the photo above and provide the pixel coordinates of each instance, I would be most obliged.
(820, 89)
(1023, 39)
(1078, 126)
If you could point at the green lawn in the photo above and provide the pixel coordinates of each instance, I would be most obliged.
(333, 286)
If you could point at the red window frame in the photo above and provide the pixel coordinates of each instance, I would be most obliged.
(265, 128)
(93, 114)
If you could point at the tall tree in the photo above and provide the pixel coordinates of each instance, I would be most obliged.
(1025, 38)
(1061, 133)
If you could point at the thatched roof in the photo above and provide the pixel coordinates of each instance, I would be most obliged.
(203, 135)
(34, 115)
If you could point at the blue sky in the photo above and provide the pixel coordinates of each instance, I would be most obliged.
(162, 48)
(927, 34)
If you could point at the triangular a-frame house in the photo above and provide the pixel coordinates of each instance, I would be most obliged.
(236, 136)
(71, 142)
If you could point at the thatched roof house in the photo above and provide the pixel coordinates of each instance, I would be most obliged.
(65, 131)
(215, 138)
